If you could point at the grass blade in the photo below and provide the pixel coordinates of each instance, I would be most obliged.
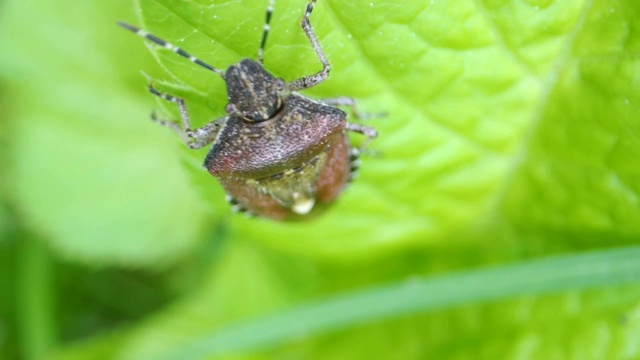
(559, 273)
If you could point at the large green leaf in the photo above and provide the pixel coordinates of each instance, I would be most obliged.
(512, 133)
(490, 107)
(496, 110)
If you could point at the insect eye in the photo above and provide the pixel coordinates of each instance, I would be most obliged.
(279, 84)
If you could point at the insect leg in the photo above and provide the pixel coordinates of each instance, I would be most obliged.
(351, 102)
(267, 27)
(315, 79)
(355, 162)
(172, 125)
(371, 134)
(206, 134)
(194, 138)
(367, 131)
(184, 114)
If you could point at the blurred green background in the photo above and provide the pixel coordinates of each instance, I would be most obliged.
(501, 219)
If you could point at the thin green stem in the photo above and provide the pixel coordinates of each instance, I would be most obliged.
(35, 300)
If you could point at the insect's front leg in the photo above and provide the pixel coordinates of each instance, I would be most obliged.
(206, 134)
(194, 138)
(315, 79)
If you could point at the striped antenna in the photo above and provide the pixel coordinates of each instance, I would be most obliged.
(267, 27)
(169, 46)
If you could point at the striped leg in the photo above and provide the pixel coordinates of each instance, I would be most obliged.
(354, 159)
(267, 27)
(169, 46)
(315, 79)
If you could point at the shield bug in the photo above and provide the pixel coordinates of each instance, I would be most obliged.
(277, 153)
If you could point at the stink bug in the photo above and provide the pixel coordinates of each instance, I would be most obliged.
(277, 154)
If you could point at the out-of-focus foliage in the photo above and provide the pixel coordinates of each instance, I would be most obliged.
(513, 133)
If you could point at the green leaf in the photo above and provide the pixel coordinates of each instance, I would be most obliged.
(481, 126)
(88, 169)
(487, 103)
(512, 134)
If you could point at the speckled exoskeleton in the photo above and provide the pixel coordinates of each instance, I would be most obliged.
(277, 153)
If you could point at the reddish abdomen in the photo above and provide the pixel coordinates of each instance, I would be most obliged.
(332, 180)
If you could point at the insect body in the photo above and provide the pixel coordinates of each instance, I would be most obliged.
(277, 153)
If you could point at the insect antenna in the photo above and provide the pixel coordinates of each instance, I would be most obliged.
(169, 46)
(267, 27)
